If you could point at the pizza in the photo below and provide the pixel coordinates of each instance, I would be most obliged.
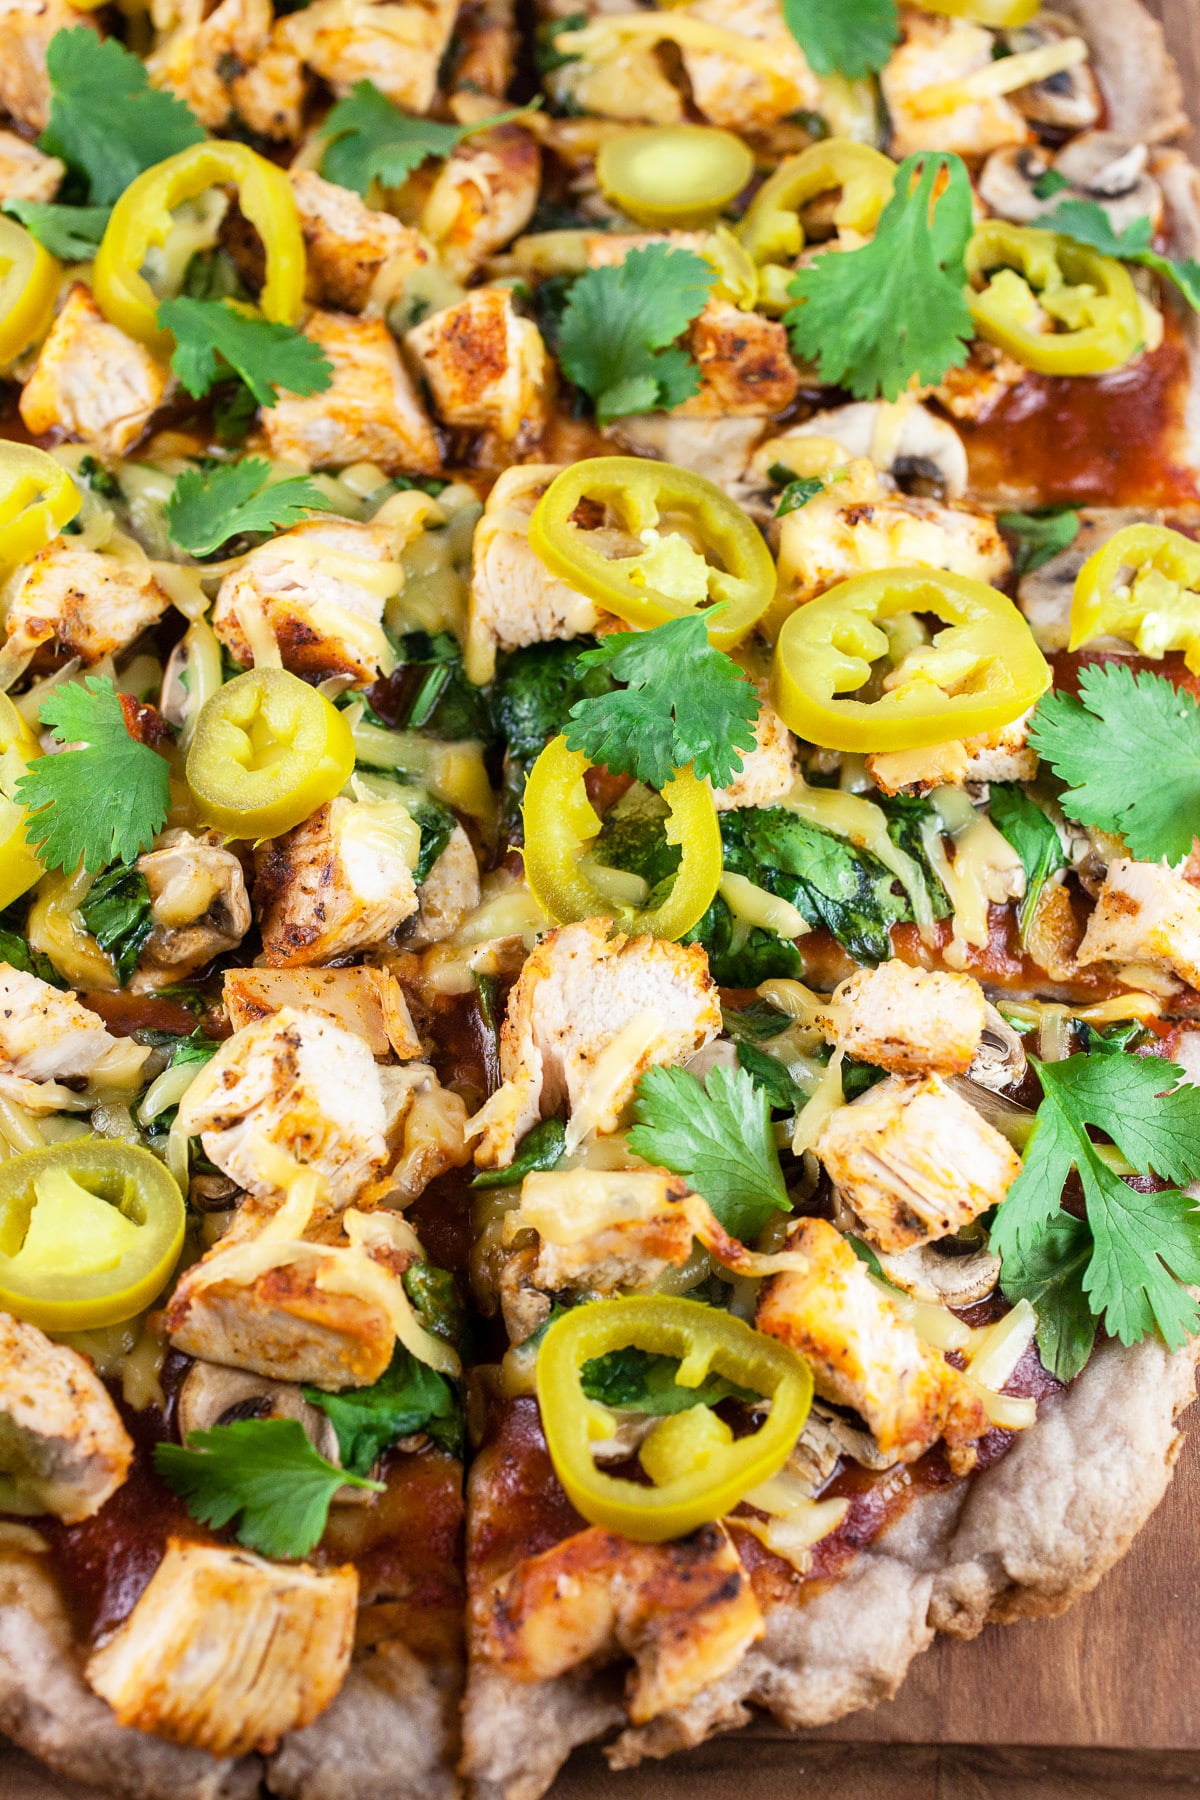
(599, 909)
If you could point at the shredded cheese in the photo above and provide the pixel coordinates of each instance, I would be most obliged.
(609, 1077)
(1003, 76)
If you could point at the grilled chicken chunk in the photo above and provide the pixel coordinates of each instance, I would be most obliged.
(27, 173)
(92, 382)
(46, 1037)
(63, 1448)
(767, 771)
(368, 1002)
(397, 46)
(588, 1015)
(369, 413)
(1145, 914)
(227, 1652)
(514, 599)
(914, 1161)
(301, 1083)
(339, 881)
(741, 95)
(199, 902)
(448, 893)
(604, 1230)
(485, 365)
(350, 243)
(484, 195)
(320, 588)
(88, 604)
(233, 64)
(908, 1020)
(935, 50)
(684, 1611)
(863, 1354)
(1003, 755)
(745, 368)
(26, 27)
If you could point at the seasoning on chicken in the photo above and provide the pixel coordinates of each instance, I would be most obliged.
(27, 173)
(514, 598)
(934, 50)
(746, 370)
(226, 1651)
(588, 1015)
(601, 1230)
(92, 382)
(910, 1021)
(1001, 755)
(370, 411)
(485, 366)
(88, 604)
(46, 1037)
(299, 1082)
(769, 770)
(484, 195)
(1145, 913)
(321, 589)
(396, 46)
(749, 95)
(864, 1355)
(448, 893)
(233, 65)
(199, 903)
(684, 1611)
(915, 1162)
(351, 245)
(367, 1001)
(63, 1448)
(341, 880)
(26, 27)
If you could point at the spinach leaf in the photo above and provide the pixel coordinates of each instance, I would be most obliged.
(409, 1397)
(1033, 837)
(905, 814)
(428, 690)
(541, 1148)
(829, 881)
(741, 958)
(436, 823)
(17, 954)
(117, 913)
(768, 1073)
(434, 1293)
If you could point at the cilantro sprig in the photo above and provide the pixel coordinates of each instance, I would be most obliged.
(718, 1135)
(207, 508)
(1138, 1247)
(408, 1397)
(213, 336)
(1086, 222)
(262, 1472)
(370, 139)
(104, 801)
(619, 326)
(1129, 751)
(684, 702)
(871, 319)
(844, 37)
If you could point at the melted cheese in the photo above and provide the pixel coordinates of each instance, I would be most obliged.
(608, 36)
(567, 1206)
(863, 824)
(609, 1077)
(1003, 76)
(753, 905)
(826, 1097)
(985, 865)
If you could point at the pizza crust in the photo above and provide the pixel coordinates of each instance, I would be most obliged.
(1023, 1540)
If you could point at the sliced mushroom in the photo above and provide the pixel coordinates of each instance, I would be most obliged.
(1068, 101)
(214, 1395)
(942, 1274)
(1000, 1059)
(199, 905)
(923, 453)
(720, 1054)
(827, 1428)
(1097, 165)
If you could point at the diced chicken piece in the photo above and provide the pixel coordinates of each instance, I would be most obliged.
(448, 893)
(89, 604)
(746, 370)
(92, 382)
(350, 243)
(485, 365)
(27, 173)
(974, 391)
(908, 1020)
(370, 411)
(514, 599)
(63, 1448)
(483, 197)
(864, 1355)
(321, 589)
(588, 1015)
(297, 1309)
(26, 27)
(226, 1652)
(485, 44)
(1002, 755)
(626, 82)
(914, 1161)
(685, 1611)
(601, 1230)
(46, 1037)
(341, 880)
(1145, 914)
(751, 94)
(199, 902)
(301, 1084)
(767, 771)
(936, 50)
(233, 63)
(398, 47)
(434, 1137)
(369, 1002)
(857, 525)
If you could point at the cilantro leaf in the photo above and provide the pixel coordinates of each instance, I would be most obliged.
(116, 910)
(1050, 1276)
(873, 318)
(71, 232)
(1143, 1245)
(1129, 752)
(106, 122)
(844, 37)
(719, 1136)
(208, 508)
(1086, 222)
(103, 802)
(409, 1397)
(262, 1472)
(618, 323)
(212, 337)
(1051, 182)
(541, 1148)
(684, 702)
(1040, 535)
(370, 139)
(1032, 835)
(633, 1380)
